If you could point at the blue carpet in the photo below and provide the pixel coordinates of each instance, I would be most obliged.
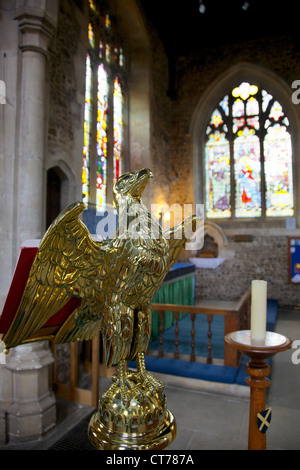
(195, 370)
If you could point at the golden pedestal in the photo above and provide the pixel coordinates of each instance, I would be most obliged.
(145, 424)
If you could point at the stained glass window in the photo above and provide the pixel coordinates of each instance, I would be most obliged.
(91, 36)
(87, 131)
(278, 171)
(248, 157)
(92, 5)
(103, 115)
(247, 173)
(118, 128)
(102, 109)
(218, 171)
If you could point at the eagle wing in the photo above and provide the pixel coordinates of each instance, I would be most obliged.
(67, 264)
(177, 237)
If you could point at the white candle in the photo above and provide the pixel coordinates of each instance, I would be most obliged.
(258, 310)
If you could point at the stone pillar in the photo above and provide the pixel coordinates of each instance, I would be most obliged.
(29, 406)
(6, 397)
(37, 21)
(33, 411)
(2, 426)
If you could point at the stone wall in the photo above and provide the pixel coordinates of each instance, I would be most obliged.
(66, 96)
(265, 257)
(160, 122)
(62, 76)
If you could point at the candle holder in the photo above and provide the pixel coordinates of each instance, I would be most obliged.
(257, 369)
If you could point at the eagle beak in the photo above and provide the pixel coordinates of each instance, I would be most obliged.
(145, 171)
(141, 181)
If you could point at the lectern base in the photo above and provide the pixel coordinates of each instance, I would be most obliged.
(145, 424)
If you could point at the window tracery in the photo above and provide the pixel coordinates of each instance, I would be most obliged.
(248, 156)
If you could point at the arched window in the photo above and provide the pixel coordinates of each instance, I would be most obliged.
(103, 112)
(248, 157)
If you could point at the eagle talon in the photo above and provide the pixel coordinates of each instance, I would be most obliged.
(125, 396)
(127, 386)
(137, 393)
(129, 391)
(153, 385)
(107, 396)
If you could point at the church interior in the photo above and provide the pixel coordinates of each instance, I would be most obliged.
(205, 94)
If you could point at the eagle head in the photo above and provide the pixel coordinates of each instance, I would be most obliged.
(131, 185)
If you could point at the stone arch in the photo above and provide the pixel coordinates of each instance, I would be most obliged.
(216, 91)
(53, 196)
(60, 189)
(216, 232)
(225, 250)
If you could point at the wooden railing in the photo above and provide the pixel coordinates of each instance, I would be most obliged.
(71, 390)
(236, 316)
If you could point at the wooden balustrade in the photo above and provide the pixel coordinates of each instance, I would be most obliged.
(236, 316)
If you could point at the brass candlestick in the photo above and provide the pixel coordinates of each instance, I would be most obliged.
(258, 369)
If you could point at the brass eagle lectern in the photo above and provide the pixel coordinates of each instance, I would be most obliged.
(115, 280)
